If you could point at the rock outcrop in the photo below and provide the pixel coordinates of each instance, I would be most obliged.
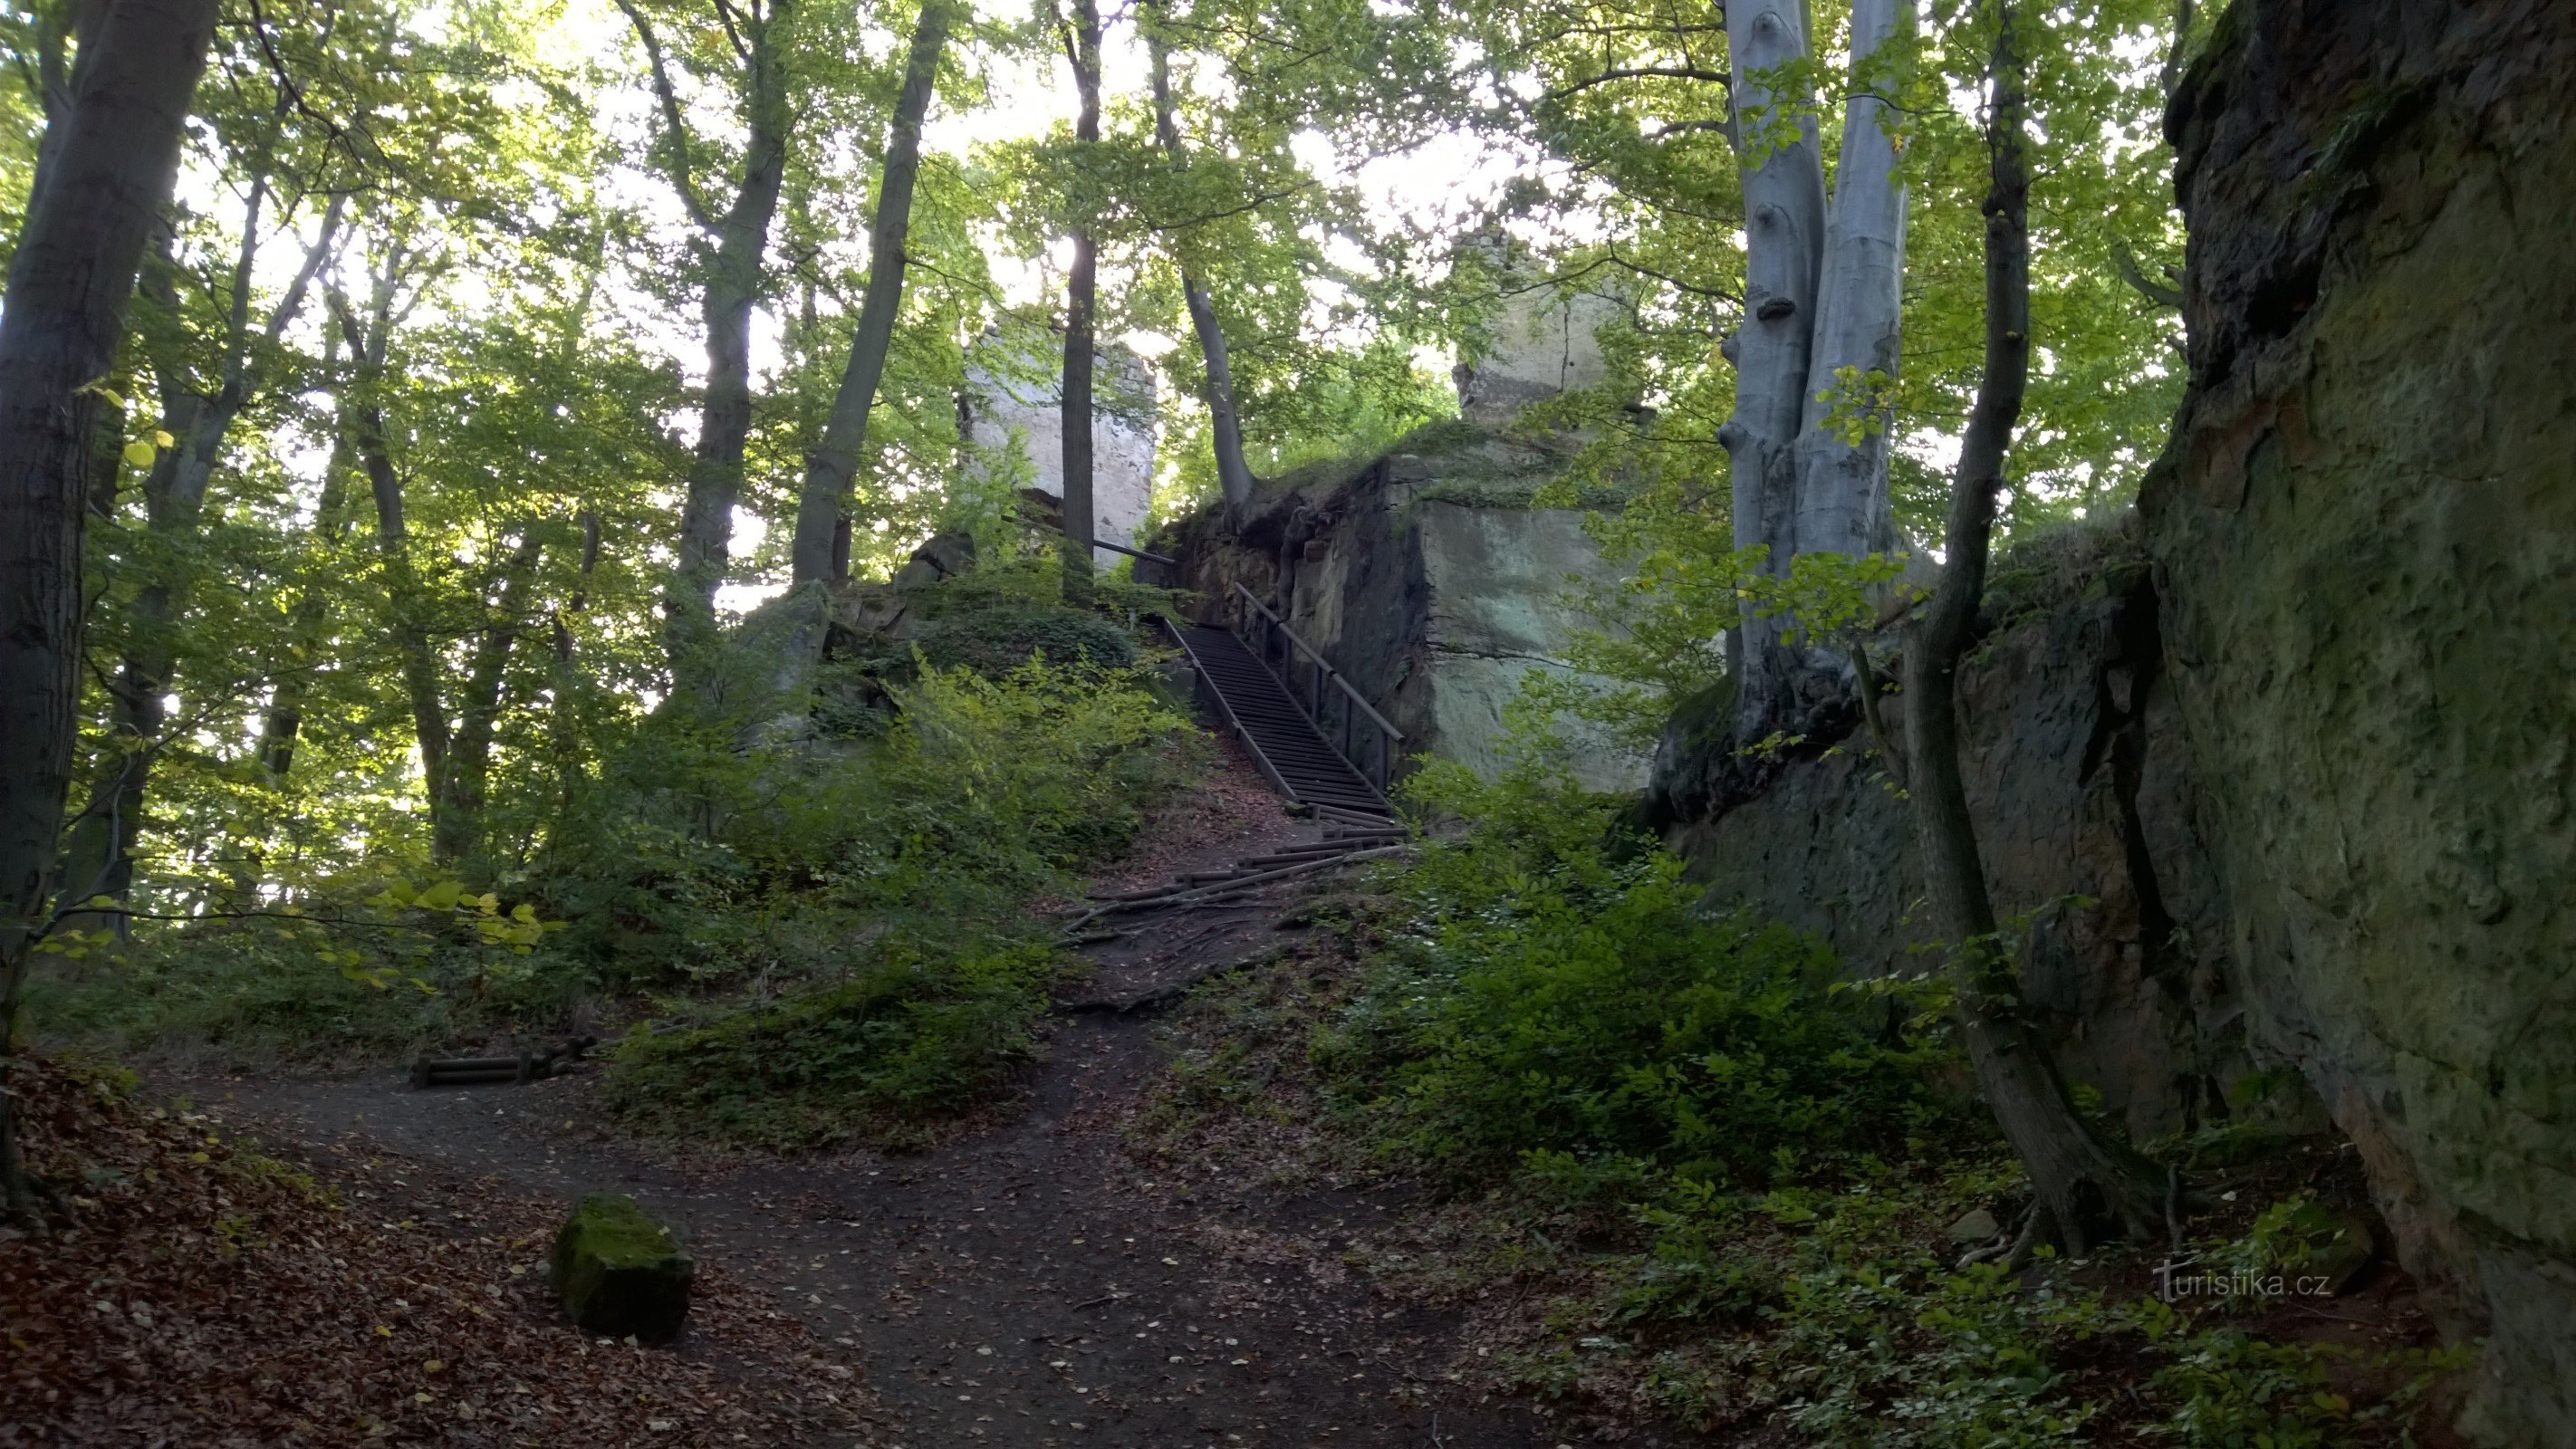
(2365, 536)
(2080, 780)
(1427, 578)
(2312, 767)
(1012, 411)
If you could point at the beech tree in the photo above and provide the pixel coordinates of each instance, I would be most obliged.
(1081, 37)
(744, 51)
(1816, 353)
(109, 162)
(823, 503)
(1234, 476)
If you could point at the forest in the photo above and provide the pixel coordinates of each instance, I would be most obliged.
(1508, 722)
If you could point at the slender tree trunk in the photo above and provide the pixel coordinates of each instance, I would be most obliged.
(567, 682)
(829, 470)
(100, 848)
(110, 162)
(734, 276)
(1082, 47)
(283, 723)
(1234, 478)
(416, 652)
(1784, 233)
(456, 816)
(2086, 1186)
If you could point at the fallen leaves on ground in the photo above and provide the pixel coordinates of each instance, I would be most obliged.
(204, 1294)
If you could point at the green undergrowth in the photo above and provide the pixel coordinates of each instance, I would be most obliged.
(1672, 1170)
(885, 1056)
(821, 940)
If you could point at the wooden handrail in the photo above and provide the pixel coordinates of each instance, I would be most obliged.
(1394, 736)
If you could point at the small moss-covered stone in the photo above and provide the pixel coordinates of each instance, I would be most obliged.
(619, 1272)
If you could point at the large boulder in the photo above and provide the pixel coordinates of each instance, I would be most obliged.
(619, 1272)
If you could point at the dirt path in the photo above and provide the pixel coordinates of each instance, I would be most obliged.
(1030, 1284)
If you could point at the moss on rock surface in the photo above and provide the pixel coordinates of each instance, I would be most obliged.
(619, 1272)
(2366, 532)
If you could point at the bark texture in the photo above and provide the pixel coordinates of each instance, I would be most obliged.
(110, 160)
(2365, 530)
(1817, 345)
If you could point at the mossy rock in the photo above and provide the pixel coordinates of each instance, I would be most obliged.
(619, 1272)
(997, 641)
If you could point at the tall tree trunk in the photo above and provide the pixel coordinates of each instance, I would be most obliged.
(1842, 504)
(1234, 478)
(1082, 47)
(108, 173)
(456, 816)
(1784, 234)
(825, 499)
(733, 275)
(567, 682)
(2085, 1185)
(415, 651)
(282, 725)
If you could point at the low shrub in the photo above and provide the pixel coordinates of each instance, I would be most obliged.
(1567, 1008)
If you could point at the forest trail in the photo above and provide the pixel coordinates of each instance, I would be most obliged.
(1030, 1282)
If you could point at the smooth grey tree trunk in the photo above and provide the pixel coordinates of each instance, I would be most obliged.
(1784, 237)
(834, 463)
(1081, 285)
(111, 160)
(1842, 504)
(1823, 303)
(1234, 477)
(2085, 1185)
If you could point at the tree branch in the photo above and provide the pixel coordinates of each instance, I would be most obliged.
(1640, 72)
(675, 131)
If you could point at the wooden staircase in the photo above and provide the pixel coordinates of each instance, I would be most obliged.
(1300, 763)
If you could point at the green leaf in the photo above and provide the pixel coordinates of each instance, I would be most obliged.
(140, 453)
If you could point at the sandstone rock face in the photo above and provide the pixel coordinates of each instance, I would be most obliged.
(2079, 778)
(1542, 344)
(2366, 540)
(1426, 578)
(620, 1273)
